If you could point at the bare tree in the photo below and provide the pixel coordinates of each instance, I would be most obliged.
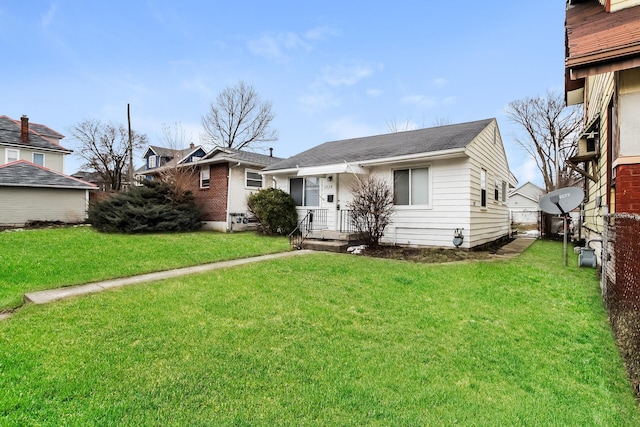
(372, 207)
(105, 149)
(178, 175)
(552, 131)
(394, 127)
(239, 118)
(441, 121)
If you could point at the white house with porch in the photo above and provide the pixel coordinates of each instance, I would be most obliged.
(444, 179)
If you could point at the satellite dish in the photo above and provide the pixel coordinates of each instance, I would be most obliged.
(562, 201)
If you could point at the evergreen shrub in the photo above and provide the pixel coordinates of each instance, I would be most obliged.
(275, 211)
(153, 207)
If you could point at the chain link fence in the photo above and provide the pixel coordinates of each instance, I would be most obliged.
(620, 284)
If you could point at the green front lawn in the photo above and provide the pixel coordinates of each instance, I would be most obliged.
(43, 259)
(325, 339)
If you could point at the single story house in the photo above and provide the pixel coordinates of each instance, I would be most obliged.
(33, 186)
(444, 179)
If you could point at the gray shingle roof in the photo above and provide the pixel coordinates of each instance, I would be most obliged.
(243, 156)
(27, 174)
(10, 134)
(386, 146)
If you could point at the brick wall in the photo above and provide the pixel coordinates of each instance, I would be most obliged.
(628, 189)
(213, 200)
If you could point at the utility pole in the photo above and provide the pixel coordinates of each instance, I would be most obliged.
(130, 147)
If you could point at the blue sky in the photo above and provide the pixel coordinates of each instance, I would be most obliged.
(332, 69)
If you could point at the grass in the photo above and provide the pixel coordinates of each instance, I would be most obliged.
(47, 258)
(325, 339)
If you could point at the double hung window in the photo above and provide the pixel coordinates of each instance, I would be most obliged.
(204, 178)
(38, 159)
(411, 186)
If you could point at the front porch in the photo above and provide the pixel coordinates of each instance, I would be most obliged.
(314, 232)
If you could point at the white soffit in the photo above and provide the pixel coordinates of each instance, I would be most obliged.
(330, 169)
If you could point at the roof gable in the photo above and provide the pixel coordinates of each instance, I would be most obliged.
(10, 130)
(387, 146)
(26, 174)
(241, 156)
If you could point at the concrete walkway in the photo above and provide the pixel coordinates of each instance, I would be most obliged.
(44, 297)
(517, 246)
(514, 248)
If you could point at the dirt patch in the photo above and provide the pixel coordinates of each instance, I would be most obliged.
(435, 255)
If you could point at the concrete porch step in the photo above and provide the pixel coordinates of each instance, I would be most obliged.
(333, 235)
(326, 245)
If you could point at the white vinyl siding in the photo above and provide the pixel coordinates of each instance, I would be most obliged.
(20, 205)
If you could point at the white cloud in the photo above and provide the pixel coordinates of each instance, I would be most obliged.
(195, 84)
(449, 100)
(321, 33)
(47, 18)
(439, 82)
(428, 101)
(374, 93)
(420, 101)
(277, 46)
(318, 101)
(346, 75)
(346, 127)
(274, 46)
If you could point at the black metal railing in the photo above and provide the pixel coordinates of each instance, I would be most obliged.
(315, 219)
(347, 223)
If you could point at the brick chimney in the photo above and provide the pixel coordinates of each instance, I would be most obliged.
(24, 130)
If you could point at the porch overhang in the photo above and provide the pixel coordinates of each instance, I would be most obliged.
(332, 169)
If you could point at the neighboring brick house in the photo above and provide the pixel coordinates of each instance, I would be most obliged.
(226, 177)
(221, 180)
(33, 186)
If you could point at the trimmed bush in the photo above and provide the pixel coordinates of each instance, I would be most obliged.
(275, 211)
(153, 207)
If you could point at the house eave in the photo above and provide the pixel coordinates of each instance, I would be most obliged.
(34, 148)
(436, 155)
(65, 187)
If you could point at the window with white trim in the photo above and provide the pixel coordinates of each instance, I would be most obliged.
(204, 178)
(152, 161)
(305, 191)
(38, 159)
(411, 186)
(504, 191)
(12, 155)
(252, 179)
(496, 191)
